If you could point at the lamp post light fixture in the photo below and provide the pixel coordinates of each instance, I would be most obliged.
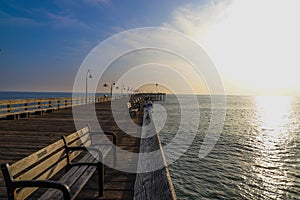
(122, 88)
(111, 87)
(88, 75)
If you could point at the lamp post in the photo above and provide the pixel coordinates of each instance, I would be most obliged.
(111, 87)
(122, 88)
(88, 75)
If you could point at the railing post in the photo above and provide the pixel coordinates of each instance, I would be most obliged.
(58, 104)
(8, 108)
(39, 104)
(26, 106)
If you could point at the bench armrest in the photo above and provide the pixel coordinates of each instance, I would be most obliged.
(44, 184)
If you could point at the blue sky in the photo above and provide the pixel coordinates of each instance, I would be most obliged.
(253, 44)
(44, 42)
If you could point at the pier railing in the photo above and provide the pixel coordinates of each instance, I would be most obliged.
(18, 107)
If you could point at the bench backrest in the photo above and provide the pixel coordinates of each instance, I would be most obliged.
(45, 163)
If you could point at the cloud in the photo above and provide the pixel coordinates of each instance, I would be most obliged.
(42, 17)
(195, 21)
(96, 2)
(65, 21)
(7, 19)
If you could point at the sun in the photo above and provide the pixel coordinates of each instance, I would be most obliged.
(255, 44)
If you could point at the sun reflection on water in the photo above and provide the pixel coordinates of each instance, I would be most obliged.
(273, 122)
(273, 118)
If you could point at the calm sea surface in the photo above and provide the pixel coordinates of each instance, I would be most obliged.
(256, 157)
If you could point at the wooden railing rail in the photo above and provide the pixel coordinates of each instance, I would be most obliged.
(17, 107)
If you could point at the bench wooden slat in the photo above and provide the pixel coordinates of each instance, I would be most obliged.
(85, 138)
(35, 157)
(24, 193)
(83, 179)
(81, 141)
(35, 171)
(69, 178)
(74, 136)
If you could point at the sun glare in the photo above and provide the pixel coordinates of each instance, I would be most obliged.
(273, 112)
(255, 43)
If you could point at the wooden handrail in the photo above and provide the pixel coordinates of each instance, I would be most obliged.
(19, 106)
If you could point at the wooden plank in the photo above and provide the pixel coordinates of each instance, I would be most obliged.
(83, 179)
(24, 193)
(77, 135)
(37, 170)
(87, 143)
(69, 179)
(86, 140)
(33, 158)
(73, 138)
(155, 183)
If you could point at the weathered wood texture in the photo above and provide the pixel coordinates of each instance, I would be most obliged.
(20, 138)
(155, 183)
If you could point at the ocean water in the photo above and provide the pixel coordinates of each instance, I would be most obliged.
(256, 157)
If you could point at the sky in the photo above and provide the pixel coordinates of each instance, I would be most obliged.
(253, 44)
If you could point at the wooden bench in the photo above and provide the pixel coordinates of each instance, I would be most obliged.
(133, 107)
(77, 153)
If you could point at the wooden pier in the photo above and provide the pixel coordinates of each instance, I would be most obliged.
(22, 137)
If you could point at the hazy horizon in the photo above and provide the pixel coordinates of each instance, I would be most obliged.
(200, 94)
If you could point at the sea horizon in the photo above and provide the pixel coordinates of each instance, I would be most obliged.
(5, 95)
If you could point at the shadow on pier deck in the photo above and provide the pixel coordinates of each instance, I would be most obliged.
(20, 138)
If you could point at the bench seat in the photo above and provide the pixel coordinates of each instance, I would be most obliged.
(77, 176)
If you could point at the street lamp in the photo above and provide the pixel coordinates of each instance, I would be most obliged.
(122, 88)
(111, 87)
(88, 75)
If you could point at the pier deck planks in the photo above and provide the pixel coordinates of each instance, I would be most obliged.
(20, 138)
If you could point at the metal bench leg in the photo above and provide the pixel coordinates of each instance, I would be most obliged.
(101, 178)
(11, 190)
